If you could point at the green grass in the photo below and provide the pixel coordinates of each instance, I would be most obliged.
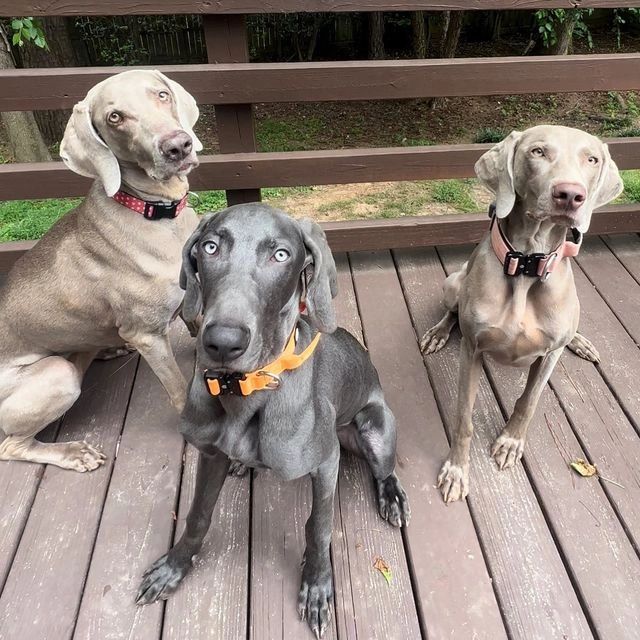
(631, 180)
(456, 193)
(30, 219)
(291, 135)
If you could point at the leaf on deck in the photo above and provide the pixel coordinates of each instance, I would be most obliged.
(383, 568)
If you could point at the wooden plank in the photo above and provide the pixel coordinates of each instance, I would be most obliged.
(538, 600)
(627, 249)
(617, 286)
(605, 432)
(418, 231)
(292, 169)
(212, 601)
(137, 522)
(243, 83)
(227, 41)
(19, 482)
(42, 592)
(10, 8)
(280, 510)
(366, 606)
(589, 534)
(448, 567)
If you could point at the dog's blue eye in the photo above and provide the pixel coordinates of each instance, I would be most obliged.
(281, 255)
(210, 247)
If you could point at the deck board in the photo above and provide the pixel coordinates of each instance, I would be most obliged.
(446, 557)
(43, 589)
(137, 522)
(536, 551)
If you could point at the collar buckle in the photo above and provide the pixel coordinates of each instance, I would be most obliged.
(159, 210)
(228, 383)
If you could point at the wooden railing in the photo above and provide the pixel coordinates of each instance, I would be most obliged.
(232, 84)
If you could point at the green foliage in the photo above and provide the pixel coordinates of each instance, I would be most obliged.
(487, 134)
(620, 17)
(27, 30)
(548, 21)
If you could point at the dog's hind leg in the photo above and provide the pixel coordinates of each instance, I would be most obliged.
(583, 347)
(316, 589)
(436, 337)
(42, 392)
(374, 438)
(163, 577)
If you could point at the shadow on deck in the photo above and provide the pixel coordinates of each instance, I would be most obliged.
(535, 553)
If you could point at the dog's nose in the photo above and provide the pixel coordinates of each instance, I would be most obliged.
(224, 343)
(569, 195)
(176, 146)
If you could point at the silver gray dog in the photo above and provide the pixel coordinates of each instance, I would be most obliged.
(515, 299)
(275, 387)
(106, 275)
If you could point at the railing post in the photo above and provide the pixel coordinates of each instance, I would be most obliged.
(226, 40)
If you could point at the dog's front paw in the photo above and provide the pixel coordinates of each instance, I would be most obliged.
(161, 579)
(506, 451)
(583, 347)
(453, 482)
(393, 504)
(314, 600)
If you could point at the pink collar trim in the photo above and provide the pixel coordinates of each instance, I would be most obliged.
(151, 210)
(540, 265)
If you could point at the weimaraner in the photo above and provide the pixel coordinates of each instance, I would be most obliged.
(515, 299)
(106, 275)
(274, 388)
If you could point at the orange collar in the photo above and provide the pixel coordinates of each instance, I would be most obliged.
(268, 377)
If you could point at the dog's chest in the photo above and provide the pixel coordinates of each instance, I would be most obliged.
(523, 327)
(286, 443)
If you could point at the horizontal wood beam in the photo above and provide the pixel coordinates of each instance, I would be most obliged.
(154, 7)
(244, 83)
(420, 231)
(290, 169)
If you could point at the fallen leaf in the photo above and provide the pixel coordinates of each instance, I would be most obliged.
(584, 468)
(383, 568)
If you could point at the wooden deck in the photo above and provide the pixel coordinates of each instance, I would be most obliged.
(535, 553)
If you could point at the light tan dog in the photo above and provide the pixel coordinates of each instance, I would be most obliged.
(546, 179)
(105, 275)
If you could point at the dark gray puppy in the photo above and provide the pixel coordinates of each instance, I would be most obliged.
(251, 270)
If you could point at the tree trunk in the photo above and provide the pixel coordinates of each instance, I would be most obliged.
(449, 44)
(313, 38)
(452, 34)
(25, 139)
(419, 34)
(565, 35)
(376, 35)
(61, 53)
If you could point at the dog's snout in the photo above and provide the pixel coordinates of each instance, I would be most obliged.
(176, 146)
(224, 343)
(569, 195)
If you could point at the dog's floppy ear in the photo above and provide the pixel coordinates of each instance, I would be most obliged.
(495, 171)
(187, 107)
(323, 283)
(608, 188)
(85, 152)
(189, 281)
